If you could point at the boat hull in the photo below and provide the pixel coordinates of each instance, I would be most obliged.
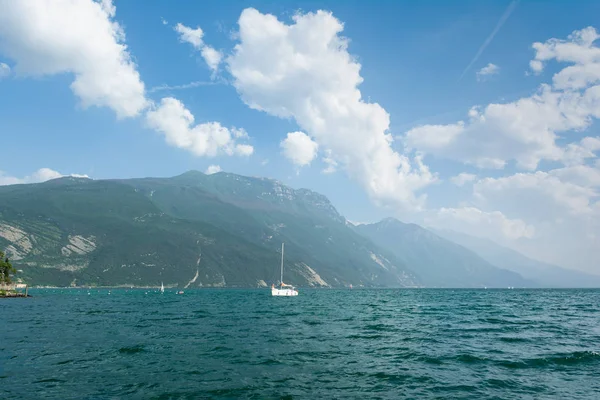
(283, 292)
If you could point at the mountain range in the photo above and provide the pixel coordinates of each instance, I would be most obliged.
(543, 274)
(226, 230)
(192, 230)
(438, 261)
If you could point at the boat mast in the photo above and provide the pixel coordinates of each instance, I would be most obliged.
(281, 280)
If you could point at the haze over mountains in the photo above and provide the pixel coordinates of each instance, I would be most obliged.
(225, 230)
(544, 274)
(439, 262)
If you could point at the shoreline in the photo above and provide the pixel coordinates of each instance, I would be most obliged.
(300, 287)
(14, 295)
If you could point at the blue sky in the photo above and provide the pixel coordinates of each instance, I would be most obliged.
(522, 185)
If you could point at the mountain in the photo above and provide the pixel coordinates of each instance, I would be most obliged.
(439, 262)
(546, 275)
(192, 230)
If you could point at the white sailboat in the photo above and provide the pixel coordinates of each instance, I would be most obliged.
(162, 288)
(283, 290)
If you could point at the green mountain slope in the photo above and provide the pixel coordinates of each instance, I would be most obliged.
(546, 275)
(266, 213)
(439, 262)
(191, 230)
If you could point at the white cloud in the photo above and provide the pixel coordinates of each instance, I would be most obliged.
(540, 195)
(244, 149)
(47, 37)
(591, 143)
(536, 66)
(213, 169)
(549, 215)
(299, 148)
(526, 130)
(462, 178)
(490, 69)
(433, 137)
(176, 122)
(563, 204)
(473, 221)
(44, 174)
(164, 21)
(330, 162)
(190, 35)
(579, 50)
(4, 70)
(41, 175)
(212, 57)
(580, 175)
(239, 133)
(194, 37)
(578, 153)
(304, 71)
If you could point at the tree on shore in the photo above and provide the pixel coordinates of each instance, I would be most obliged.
(6, 269)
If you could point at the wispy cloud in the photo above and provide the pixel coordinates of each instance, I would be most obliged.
(463, 178)
(430, 119)
(511, 7)
(184, 86)
(4, 70)
(490, 69)
(195, 37)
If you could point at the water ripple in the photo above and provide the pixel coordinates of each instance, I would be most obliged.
(243, 344)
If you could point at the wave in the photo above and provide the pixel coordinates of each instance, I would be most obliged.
(131, 350)
(564, 359)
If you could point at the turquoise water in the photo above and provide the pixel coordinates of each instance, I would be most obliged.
(349, 344)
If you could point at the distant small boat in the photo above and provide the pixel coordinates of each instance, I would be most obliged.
(180, 292)
(162, 288)
(283, 290)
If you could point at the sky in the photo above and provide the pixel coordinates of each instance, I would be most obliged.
(479, 117)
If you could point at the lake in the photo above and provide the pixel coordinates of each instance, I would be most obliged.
(238, 344)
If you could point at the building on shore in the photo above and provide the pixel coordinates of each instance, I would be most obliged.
(14, 289)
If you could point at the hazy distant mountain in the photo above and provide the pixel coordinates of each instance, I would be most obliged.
(544, 274)
(439, 262)
(192, 229)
